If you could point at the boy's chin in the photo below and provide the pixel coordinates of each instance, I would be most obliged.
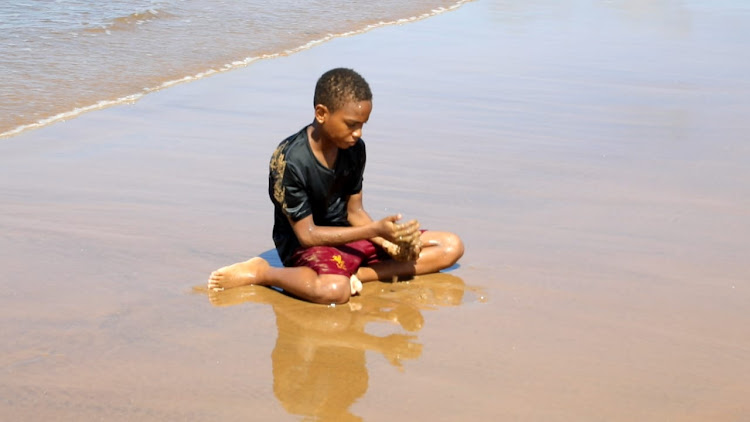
(346, 144)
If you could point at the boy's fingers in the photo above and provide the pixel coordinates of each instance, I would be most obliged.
(409, 223)
(390, 247)
(393, 218)
(410, 237)
(406, 240)
(407, 233)
(408, 227)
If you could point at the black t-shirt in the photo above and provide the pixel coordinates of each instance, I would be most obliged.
(299, 185)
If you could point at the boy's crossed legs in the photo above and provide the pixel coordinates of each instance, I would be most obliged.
(440, 250)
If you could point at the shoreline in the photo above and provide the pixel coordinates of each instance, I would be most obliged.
(235, 65)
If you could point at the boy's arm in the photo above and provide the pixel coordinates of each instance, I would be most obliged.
(309, 234)
(359, 217)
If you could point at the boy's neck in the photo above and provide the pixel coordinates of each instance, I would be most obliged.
(324, 150)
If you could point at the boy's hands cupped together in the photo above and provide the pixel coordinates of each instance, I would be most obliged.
(403, 241)
(404, 251)
(398, 233)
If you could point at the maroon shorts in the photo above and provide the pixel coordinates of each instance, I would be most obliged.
(340, 260)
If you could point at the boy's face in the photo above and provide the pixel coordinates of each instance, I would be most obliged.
(343, 127)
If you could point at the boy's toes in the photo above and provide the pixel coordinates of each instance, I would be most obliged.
(214, 287)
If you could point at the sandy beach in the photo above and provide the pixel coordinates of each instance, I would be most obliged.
(593, 157)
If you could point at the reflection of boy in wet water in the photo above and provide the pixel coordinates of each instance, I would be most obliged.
(319, 366)
(319, 361)
(326, 239)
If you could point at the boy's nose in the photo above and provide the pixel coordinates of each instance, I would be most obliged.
(357, 133)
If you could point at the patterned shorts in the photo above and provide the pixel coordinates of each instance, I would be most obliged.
(341, 260)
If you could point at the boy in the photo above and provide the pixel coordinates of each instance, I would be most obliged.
(328, 243)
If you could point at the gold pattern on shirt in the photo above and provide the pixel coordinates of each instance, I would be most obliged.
(277, 167)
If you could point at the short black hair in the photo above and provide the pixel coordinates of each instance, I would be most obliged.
(339, 86)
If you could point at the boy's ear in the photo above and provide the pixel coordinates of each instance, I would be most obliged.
(321, 113)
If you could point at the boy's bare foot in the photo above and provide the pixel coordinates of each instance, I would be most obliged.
(239, 274)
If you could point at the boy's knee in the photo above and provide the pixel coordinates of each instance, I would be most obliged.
(332, 289)
(454, 247)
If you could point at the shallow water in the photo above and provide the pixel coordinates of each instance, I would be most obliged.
(61, 58)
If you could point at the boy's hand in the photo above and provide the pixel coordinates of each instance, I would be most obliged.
(406, 241)
(404, 251)
(398, 233)
(411, 251)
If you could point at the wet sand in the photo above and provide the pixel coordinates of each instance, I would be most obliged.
(593, 158)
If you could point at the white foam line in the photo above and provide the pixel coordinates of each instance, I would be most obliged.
(229, 66)
(72, 113)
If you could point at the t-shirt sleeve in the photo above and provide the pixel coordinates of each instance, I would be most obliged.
(296, 204)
